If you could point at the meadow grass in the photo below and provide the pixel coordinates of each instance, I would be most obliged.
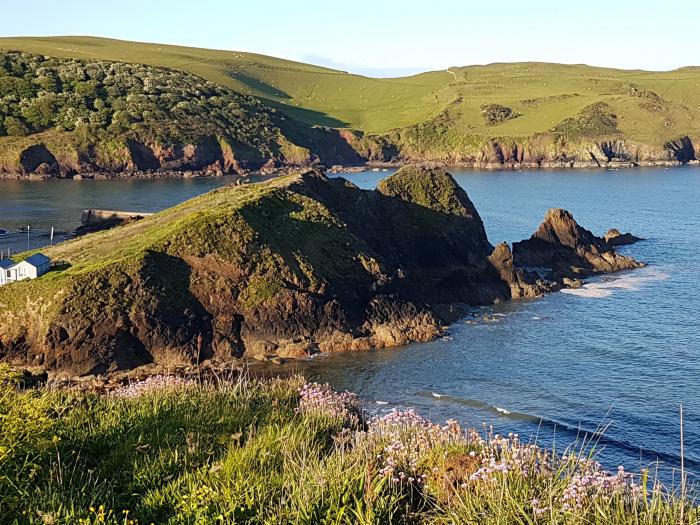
(167, 450)
(652, 107)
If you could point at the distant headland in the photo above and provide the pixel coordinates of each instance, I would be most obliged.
(92, 107)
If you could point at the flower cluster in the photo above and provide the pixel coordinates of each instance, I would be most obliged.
(321, 399)
(149, 385)
(501, 455)
(403, 438)
(417, 454)
(596, 483)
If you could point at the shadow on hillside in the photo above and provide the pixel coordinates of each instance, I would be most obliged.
(272, 96)
(258, 85)
(307, 116)
(444, 259)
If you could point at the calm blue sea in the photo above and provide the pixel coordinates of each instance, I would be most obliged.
(622, 354)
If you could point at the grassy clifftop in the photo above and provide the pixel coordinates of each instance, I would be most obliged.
(651, 106)
(289, 267)
(173, 451)
(521, 114)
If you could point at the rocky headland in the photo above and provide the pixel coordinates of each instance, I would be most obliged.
(283, 269)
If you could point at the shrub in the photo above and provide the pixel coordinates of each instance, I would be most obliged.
(15, 127)
(495, 114)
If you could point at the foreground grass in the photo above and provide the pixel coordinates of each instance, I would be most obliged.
(279, 451)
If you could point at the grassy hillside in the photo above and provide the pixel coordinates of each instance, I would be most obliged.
(651, 106)
(288, 267)
(311, 94)
(518, 115)
(173, 451)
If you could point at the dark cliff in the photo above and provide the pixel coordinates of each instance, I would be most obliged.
(300, 264)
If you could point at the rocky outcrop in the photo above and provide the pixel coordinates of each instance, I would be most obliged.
(523, 283)
(568, 250)
(542, 150)
(287, 268)
(682, 148)
(614, 238)
(37, 159)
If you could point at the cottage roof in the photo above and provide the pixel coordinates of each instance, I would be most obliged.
(38, 259)
(6, 263)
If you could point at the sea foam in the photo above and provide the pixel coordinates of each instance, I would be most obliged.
(631, 282)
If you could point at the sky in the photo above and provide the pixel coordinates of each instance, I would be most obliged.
(387, 37)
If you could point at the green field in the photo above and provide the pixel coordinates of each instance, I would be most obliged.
(651, 106)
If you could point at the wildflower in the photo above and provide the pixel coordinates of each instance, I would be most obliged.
(149, 385)
(322, 399)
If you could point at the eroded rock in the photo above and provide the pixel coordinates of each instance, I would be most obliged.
(282, 270)
(568, 249)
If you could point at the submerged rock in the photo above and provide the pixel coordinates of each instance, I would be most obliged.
(568, 249)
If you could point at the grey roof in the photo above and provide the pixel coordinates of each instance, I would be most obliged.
(38, 259)
(6, 263)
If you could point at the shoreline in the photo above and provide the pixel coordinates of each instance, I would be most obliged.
(370, 166)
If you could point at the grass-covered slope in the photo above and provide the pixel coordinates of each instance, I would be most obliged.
(523, 113)
(309, 93)
(169, 451)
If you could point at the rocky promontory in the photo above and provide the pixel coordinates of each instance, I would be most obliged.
(290, 267)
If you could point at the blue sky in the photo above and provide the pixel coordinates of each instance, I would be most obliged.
(387, 36)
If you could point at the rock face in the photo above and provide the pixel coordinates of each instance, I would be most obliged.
(614, 238)
(523, 283)
(286, 268)
(569, 250)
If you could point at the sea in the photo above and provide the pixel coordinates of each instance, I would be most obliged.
(605, 369)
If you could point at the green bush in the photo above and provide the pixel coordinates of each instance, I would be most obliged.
(14, 127)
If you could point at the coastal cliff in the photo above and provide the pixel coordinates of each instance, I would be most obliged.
(290, 267)
(61, 118)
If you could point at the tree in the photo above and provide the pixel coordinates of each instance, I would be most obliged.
(41, 112)
(15, 87)
(15, 127)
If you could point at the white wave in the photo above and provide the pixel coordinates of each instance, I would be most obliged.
(382, 402)
(438, 396)
(502, 410)
(631, 282)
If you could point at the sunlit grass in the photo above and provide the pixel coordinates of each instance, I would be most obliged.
(281, 451)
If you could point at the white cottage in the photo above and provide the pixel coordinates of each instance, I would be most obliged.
(30, 268)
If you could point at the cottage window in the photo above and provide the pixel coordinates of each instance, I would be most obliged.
(9, 274)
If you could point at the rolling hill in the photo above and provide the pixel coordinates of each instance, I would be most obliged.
(529, 114)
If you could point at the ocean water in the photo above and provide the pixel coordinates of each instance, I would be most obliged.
(59, 203)
(620, 355)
